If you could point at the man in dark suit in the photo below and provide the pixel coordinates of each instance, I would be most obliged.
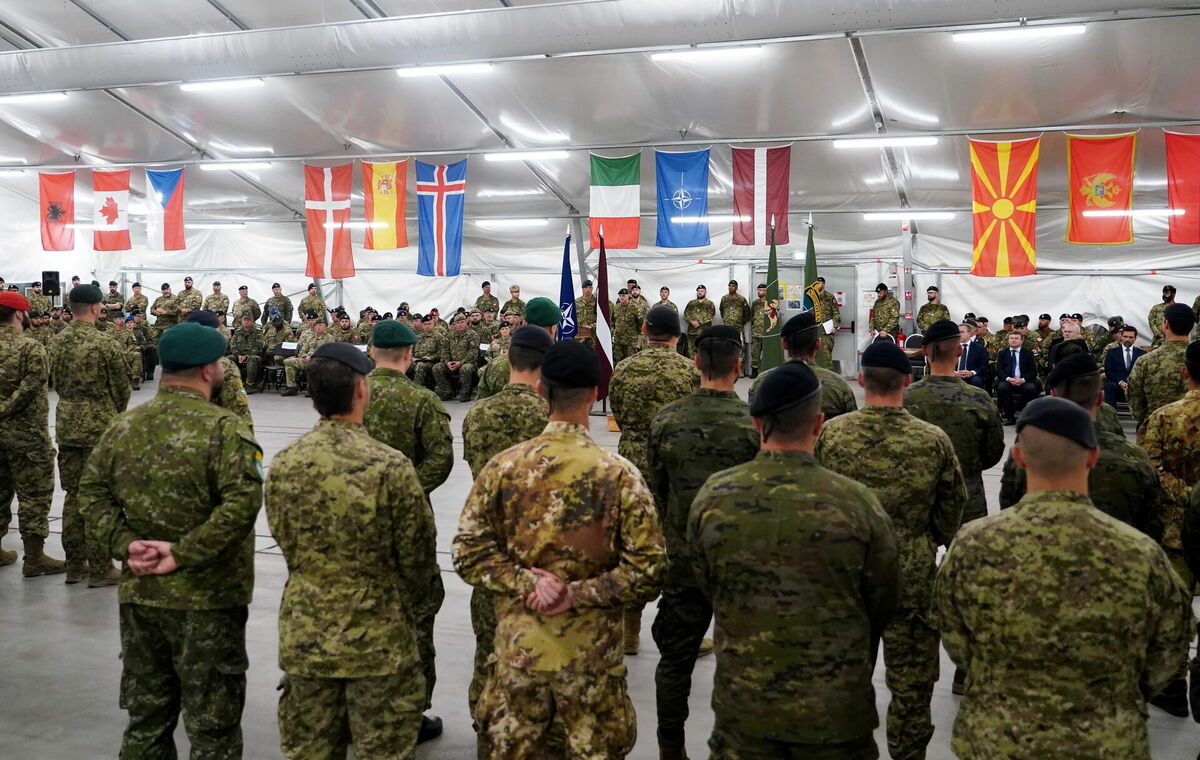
(972, 364)
(1118, 361)
(1016, 377)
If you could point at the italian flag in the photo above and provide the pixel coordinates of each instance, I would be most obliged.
(616, 200)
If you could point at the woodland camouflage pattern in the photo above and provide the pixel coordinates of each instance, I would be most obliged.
(170, 307)
(640, 387)
(309, 342)
(836, 396)
(1108, 421)
(412, 421)
(1155, 320)
(487, 303)
(233, 392)
(317, 304)
(458, 347)
(217, 302)
(249, 307)
(735, 310)
(276, 334)
(772, 540)
(27, 457)
(829, 310)
(1155, 380)
(999, 605)
(701, 310)
(885, 315)
(969, 416)
(1171, 441)
(252, 346)
(626, 327)
(930, 313)
(189, 300)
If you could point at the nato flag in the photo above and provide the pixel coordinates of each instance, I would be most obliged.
(682, 198)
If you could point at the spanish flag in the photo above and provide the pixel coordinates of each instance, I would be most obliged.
(384, 187)
(1004, 207)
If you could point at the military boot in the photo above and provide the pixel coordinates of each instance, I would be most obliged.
(37, 562)
(671, 749)
(101, 577)
(7, 557)
(633, 627)
(1173, 699)
(291, 390)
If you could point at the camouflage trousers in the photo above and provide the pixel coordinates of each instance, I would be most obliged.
(192, 661)
(423, 373)
(29, 473)
(251, 371)
(755, 351)
(291, 369)
(443, 386)
(425, 610)
(77, 541)
(976, 506)
(692, 340)
(157, 331)
(319, 718)
(682, 620)
(825, 353)
(149, 360)
(910, 652)
(133, 358)
(483, 624)
(729, 744)
(519, 707)
(623, 348)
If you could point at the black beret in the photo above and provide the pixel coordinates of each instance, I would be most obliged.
(733, 282)
(762, 285)
(85, 294)
(528, 336)
(969, 315)
(187, 278)
(886, 353)
(880, 287)
(700, 287)
(1008, 320)
(344, 354)
(427, 318)
(1077, 317)
(188, 345)
(787, 385)
(204, 317)
(571, 364)
(1169, 289)
(276, 285)
(485, 284)
(136, 285)
(943, 329)
(96, 283)
(801, 323)
(34, 314)
(310, 314)
(216, 282)
(1061, 417)
(110, 282)
(1045, 316)
(1115, 321)
(982, 319)
(934, 288)
(587, 283)
(243, 287)
(718, 332)
(1076, 365)
(631, 282)
(623, 292)
(663, 319)
(1019, 323)
(1064, 316)
(164, 286)
(312, 285)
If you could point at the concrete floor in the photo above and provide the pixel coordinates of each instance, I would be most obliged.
(59, 644)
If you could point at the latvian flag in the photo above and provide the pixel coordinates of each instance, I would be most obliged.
(164, 210)
(616, 200)
(441, 189)
(110, 210)
(327, 212)
(760, 194)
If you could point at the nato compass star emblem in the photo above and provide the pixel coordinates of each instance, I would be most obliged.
(681, 199)
(568, 316)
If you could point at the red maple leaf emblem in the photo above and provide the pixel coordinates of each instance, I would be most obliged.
(109, 210)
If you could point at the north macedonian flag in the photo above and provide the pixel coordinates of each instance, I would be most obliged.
(1004, 207)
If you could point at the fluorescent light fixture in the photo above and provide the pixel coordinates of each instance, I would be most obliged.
(711, 219)
(885, 142)
(355, 225)
(33, 97)
(448, 70)
(241, 148)
(508, 193)
(906, 216)
(506, 223)
(527, 155)
(1009, 33)
(214, 225)
(1135, 212)
(221, 84)
(707, 53)
(214, 166)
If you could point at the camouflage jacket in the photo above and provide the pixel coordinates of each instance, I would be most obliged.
(830, 308)
(640, 386)
(1171, 439)
(690, 439)
(317, 304)
(1155, 380)
(428, 344)
(930, 313)
(24, 405)
(759, 318)
(109, 299)
(247, 307)
(341, 334)
(170, 308)
(217, 302)
(413, 421)
(202, 493)
(1155, 320)
(627, 320)
(91, 376)
(668, 302)
(585, 311)
(41, 303)
(885, 316)
(1094, 627)
(139, 302)
(310, 342)
(247, 344)
(189, 301)
(772, 540)
(363, 331)
(969, 416)
(735, 310)
(461, 346)
(487, 303)
(233, 393)
(836, 396)
(701, 311)
(517, 413)
(358, 535)
(562, 503)
(926, 501)
(263, 313)
(275, 337)
(494, 376)
(514, 304)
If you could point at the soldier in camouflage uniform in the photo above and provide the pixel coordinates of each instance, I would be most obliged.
(514, 302)
(829, 311)
(427, 353)
(771, 541)
(1157, 311)
(144, 337)
(735, 309)
(459, 357)
(275, 334)
(347, 641)
(185, 526)
(585, 315)
(218, 301)
(341, 331)
(27, 458)
(189, 299)
(564, 533)
(244, 305)
(309, 342)
(124, 337)
(315, 303)
(690, 439)
(247, 348)
(925, 505)
(698, 314)
(885, 312)
(800, 336)
(277, 301)
(112, 306)
(137, 301)
(933, 310)
(1155, 379)
(165, 310)
(232, 395)
(759, 323)
(91, 376)
(627, 325)
(37, 301)
(540, 312)
(664, 298)
(1043, 648)
(487, 301)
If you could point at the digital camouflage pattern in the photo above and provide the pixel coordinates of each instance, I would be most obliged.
(109, 299)
(170, 316)
(640, 387)
(217, 302)
(885, 315)
(125, 338)
(317, 304)
(772, 540)
(27, 457)
(626, 328)
(516, 305)
(930, 313)
(735, 310)
(203, 494)
(275, 334)
(429, 343)
(1123, 484)
(969, 416)
(1171, 440)
(253, 346)
(341, 334)
(40, 303)
(413, 421)
(138, 301)
(759, 323)
(1155, 320)
(1155, 380)
(829, 310)
(248, 307)
(487, 303)
(585, 316)
(926, 506)
(836, 396)
(457, 347)
(308, 343)
(188, 300)
(1108, 421)
(700, 310)
(999, 600)
(233, 393)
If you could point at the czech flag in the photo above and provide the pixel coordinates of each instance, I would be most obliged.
(164, 210)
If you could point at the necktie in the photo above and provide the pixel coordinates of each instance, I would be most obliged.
(1016, 365)
(1128, 361)
(962, 360)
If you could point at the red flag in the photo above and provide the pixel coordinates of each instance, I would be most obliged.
(56, 193)
(1183, 187)
(760, 194)
(327, 210)
(110, 215)
(603, 325)
(1004, 207)
(1100, 187)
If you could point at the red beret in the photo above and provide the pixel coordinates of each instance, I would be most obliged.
(14, 301)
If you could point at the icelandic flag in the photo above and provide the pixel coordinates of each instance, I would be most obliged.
(682, 198)
(568, 325)
(441, 189)
(164, 210)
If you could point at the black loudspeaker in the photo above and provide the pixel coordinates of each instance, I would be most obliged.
(50, 284)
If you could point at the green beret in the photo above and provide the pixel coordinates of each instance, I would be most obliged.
(85, 294)
(189, 344)
(542, 312)
(392, 334)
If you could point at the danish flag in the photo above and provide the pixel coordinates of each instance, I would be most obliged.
(441, 189)
(327, 210)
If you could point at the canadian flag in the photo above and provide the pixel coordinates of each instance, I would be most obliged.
(327, 210)
(760, 193)
(110, 210)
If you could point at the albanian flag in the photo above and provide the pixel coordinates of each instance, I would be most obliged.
(1004, 207)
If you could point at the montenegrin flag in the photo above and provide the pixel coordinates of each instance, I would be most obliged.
(1183, 187)
(1004, 207)
(616, 203)
(384, 188)
(1100, 188)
